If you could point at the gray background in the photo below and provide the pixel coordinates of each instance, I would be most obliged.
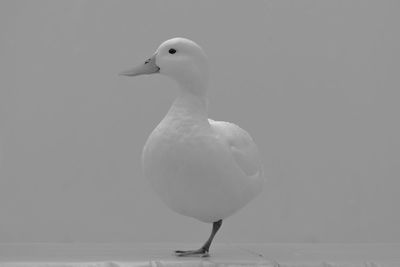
(316, 83)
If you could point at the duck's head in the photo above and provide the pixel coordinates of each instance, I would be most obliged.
(180, 59)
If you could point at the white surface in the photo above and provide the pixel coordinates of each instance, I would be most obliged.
(321, 77)
(283, 255)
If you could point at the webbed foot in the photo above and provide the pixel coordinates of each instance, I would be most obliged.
(201, 252)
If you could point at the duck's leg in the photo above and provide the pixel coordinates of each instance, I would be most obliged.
(203, 251)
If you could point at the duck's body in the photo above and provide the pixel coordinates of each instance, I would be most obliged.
(199, 167)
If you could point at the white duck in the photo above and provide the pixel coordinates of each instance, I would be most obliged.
(200, 168)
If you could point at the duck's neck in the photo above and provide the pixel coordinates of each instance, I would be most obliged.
(191, 102)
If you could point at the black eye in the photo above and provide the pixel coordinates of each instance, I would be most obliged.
(172, 51)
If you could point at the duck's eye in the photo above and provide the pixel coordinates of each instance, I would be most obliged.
(172, 51)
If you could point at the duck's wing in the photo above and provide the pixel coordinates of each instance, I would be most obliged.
(242, 147)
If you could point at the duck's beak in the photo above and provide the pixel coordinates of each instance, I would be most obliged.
(148, 67)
